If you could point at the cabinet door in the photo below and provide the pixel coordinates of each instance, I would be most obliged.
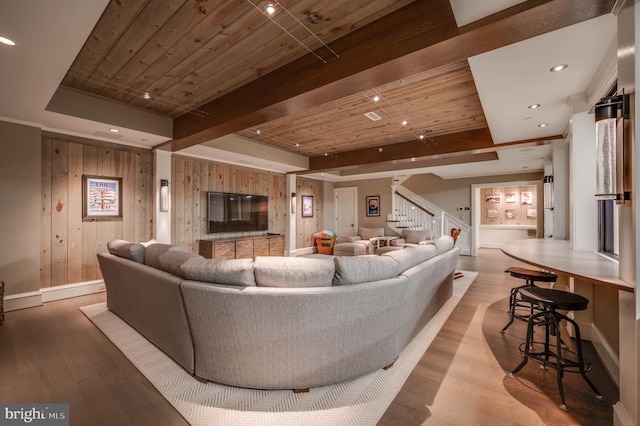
(244, 249)
(276, 246)
(205, 248)
(225, 250)
(261, 247)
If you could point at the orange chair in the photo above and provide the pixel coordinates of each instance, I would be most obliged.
(455, 232)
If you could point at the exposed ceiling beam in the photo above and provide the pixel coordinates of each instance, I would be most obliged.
(456, 144)
(417, 38)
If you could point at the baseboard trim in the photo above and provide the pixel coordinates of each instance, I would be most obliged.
(608, 356)
(32, 299)
(621, 416)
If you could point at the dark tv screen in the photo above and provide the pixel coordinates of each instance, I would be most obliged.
(229, 212)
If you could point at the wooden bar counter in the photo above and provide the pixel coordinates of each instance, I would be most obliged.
(558, 257)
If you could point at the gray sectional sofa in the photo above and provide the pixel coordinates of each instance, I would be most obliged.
(278, 322)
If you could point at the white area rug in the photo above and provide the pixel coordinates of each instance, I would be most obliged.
(360, 401)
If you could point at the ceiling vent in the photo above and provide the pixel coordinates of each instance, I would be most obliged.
(372, 116)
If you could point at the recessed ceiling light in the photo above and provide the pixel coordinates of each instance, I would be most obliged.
(376, 98)
(258, 132)
(114, 130)
(7, 41)
(326, 154)
(534, 106)
(421, 137)
(543, 124)
(405, 122)
(297, 144)
(146, 95)
(559, 67)
(270, 8)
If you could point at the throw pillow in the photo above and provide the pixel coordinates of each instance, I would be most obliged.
(127, 250)
(153, 252)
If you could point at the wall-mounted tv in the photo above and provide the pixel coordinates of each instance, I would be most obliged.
(228, 212)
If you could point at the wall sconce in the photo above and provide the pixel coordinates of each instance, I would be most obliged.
(548, 192)
(293, 202)
(164, 195)
(611, 114)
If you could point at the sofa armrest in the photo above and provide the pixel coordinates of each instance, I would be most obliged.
(398, 242)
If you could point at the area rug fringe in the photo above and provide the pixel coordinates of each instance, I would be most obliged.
(360, 401)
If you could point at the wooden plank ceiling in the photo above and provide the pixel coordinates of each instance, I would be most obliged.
(223, 66)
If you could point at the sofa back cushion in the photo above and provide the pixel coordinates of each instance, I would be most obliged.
(414, 236)
(127, 250)
(233, 272)
(366, 233)
(277, 271)
(404, 258)
(360, 269)
(444, 243)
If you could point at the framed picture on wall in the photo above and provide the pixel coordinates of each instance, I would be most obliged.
(532, 213)
(510, 198)
(307, 206)
(101, 197)
(526, 197)
(373, 205)
(492, 198)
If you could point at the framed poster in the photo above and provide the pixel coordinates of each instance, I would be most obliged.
(526, 197)
(101, 197)
(307, 206)
(492, 198)
(510, 198)
(373, 205)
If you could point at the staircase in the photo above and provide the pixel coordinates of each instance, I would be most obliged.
(410, 211)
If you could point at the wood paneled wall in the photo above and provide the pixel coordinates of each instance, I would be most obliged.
(68, 244)
(307, 226)
(191, 179)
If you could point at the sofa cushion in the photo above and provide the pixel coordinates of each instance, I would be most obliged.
(425, 252)
(233, 272)
(127, 250)
(153, 252)
(414, 236)
(366, 233)
(276, 271)
(405, 258)
(360, 269)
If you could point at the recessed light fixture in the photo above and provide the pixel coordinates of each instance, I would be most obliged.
(534, 106)
(146, 95)
(559, 67)
(405, 122)
(376, 98)
(7, 41)
(114, 130)
(326, 154)
(270, 8)
(258, 132)
(543, 124)
(421, 137)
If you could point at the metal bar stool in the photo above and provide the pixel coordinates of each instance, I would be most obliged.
(515, 302)
(548, 354)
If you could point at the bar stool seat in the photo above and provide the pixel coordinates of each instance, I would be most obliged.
(550, 302)
(530, 276)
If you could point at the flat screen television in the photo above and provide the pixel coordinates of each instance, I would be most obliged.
(229, 212)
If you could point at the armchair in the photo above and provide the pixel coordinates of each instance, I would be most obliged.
(366, 237)
(413, 237)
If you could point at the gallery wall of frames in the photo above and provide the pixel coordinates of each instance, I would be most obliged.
(509, 205)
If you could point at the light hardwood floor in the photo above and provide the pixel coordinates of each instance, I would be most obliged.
(54, 354)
